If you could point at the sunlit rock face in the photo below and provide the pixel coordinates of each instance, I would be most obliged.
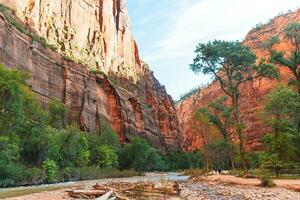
(96, 33)
(253, 93)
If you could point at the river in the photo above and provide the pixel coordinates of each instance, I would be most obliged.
(155, 177)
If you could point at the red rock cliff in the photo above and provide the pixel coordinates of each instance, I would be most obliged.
(252, 93)
(126, 94)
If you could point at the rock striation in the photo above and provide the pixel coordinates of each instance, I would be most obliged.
(94, 32)
(122, 91)
(253, 93)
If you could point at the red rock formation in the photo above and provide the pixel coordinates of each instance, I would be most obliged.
(252, 93)
(122, 99)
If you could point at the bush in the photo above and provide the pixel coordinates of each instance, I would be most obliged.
(194, 173)
(106, 157)
(50, 169)
(266, 182)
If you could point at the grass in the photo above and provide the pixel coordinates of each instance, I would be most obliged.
(194, 173)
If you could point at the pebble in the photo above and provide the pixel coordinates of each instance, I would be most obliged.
(204, 190)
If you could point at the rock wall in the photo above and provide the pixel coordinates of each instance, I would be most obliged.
(94, 32)
(252, 93)
(132, 107)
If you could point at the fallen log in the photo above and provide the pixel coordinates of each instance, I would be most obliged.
(85, 193)
(106, 196)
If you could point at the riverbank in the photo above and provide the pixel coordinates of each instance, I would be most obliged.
(216, 187)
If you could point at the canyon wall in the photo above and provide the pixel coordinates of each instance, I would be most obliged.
(253, 93)
(94, 32)
(122, 92)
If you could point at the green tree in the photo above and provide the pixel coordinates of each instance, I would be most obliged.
(12, 83)
(57, 112)
(10, 157)
(51, 170)
(74, 149)
(282, 109)
(105, 157)
(220, 116)
(289, 59)
(231, 64)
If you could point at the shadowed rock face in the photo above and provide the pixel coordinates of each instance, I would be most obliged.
(129, 98)
(253, 93)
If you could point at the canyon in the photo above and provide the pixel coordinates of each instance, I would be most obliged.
(93, 66)
(253, 93)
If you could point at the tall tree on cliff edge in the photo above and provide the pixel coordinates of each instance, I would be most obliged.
(290, 59)
(232, 64)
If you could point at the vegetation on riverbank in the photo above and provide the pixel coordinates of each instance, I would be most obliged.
(37, 146)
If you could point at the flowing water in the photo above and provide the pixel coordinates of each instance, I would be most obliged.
(155, 177)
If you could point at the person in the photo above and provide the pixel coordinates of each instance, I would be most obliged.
(220, 171)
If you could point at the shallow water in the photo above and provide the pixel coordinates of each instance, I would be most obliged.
(155, 177)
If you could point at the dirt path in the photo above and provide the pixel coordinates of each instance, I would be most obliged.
(252, 181)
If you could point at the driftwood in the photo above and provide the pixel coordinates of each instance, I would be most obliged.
(122, 191)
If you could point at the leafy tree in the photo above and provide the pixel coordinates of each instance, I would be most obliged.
(57, 111)
(280, 152)
(282, 109)
(221, 117)
(12, 83)
(10, 157)
(290, 59)
(231, 64)
(74, 151)
(105, 157)
(51, 170)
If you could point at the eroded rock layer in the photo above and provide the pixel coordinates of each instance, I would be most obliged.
(94, 32)
(141, 107)
(252, 93)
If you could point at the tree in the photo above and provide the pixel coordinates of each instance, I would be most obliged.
(290, 59)
(12, 83)
(74, 151)
(220, 116)
(105, 157)
(231, 64)
(57, 112)
(282, 109)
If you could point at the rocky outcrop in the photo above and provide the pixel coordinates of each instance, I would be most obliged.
(128, 97)
(252, 93)
(94, 32)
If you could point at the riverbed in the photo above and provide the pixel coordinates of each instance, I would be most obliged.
(153, 177)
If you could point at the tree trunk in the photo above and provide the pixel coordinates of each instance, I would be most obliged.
(239, 131)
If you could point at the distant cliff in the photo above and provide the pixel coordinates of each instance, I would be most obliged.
(107, 81)
(252, 93)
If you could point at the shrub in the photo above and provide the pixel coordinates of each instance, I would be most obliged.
(266, 182)
(50, 169)
(106, 157)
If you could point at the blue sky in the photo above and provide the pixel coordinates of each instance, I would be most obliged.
(167, 32)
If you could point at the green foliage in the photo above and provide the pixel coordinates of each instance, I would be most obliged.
(9, 157)
(74, 151)
(266, 182)
(135, 155)
(57, 111)
(12, 99)
(178, 160)
(280, 152)
(105, 157)
(290, 59)
(51, 170)
(14, 22)
(218, 153)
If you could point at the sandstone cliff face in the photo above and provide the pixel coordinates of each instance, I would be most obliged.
(252, 93)
(94, 32)
(132, 107)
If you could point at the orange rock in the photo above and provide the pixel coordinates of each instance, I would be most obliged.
(253, 94)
